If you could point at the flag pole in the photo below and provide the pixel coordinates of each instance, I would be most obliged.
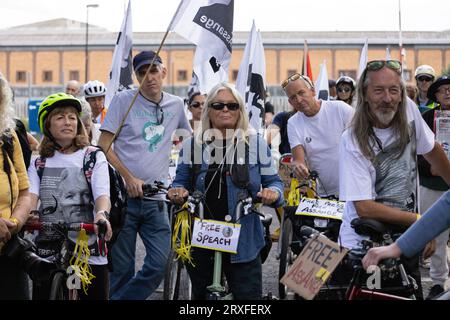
(400, 41)
(145, 77)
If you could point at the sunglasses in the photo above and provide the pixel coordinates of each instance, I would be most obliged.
(391, 64)
(344, 89)
(197, 104)
(233, 106)
(294, 77)
(424, 78)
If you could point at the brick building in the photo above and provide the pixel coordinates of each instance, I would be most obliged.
(47, 54)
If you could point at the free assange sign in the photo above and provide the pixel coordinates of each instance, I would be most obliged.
(323, 208)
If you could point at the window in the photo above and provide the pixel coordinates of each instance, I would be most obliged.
(47, 76)
(182, 75)
(21, 76)
(348, 73)
(290, 72)
(234, 74)
(74, 75)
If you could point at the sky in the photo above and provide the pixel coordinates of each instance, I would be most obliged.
(271, 15)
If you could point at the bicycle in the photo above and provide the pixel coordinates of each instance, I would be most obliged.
(290, 244)
(177, 284)
(59, 279)
(397, 284)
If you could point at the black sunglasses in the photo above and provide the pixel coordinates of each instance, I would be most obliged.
(424, 78)
(159, 115)
(391, 64)
(197, 104)
(344, 89)
(233, 106)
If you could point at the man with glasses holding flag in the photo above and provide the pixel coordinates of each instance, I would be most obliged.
(378, 158)
(314, 133)
(142, 145)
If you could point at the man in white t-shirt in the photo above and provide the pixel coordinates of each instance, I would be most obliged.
(377, 164)
(314, 133)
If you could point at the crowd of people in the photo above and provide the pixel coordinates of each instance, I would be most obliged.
(371, 144)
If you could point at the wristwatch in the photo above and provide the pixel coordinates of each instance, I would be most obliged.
(105, 213)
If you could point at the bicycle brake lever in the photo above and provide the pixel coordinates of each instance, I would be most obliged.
(102, 228)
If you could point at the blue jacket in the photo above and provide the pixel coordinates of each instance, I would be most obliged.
(262, 173)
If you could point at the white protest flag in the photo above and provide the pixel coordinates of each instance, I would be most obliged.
(251, 77)
(208, 71)
(363, 58)
(120, 76)
(322, 89)
(388, 53)
(208, 24)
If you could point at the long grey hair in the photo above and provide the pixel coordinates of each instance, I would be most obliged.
(6, 107)
(364, 120)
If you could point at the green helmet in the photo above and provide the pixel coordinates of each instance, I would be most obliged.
(54, 101)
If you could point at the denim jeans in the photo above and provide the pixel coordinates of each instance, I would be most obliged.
(150, 220)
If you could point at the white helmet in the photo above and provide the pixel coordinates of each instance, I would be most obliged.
(348, 80)
(94, 88)
(425, 70)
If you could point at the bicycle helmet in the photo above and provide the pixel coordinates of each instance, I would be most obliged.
(54, 101)
(346, 79)
(425, 70)
(94, 88)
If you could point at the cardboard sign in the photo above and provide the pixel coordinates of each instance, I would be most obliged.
(216, 235)
(443, 130)
(313, 266)
(322, 208)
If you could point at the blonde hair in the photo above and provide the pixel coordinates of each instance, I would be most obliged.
(6, 107)
(242, 129)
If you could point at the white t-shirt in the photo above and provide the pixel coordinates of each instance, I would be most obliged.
(319, 136)
(357, 175)
(64, 178)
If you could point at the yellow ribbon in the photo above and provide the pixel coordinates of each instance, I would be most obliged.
(181, 236)
(80, 260)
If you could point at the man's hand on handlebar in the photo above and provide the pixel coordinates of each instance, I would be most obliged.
(134, 187)
(178, 195)
(268, 196)
(300, 170)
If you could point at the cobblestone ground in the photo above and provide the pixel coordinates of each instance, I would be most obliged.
(270, 268)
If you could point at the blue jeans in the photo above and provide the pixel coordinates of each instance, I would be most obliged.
(150, 220)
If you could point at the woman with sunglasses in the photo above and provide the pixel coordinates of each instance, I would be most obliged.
(345, 87)
(196, 102)
(230, 161)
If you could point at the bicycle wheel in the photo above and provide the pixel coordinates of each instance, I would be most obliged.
(285, 256)
(177, 285)
(58, 288)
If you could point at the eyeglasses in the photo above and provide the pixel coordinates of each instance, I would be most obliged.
(233, 106)
(344, 90)
(424, 78)
(159, 115)
(378, 64)
(294, 77)
(197, 104)
(443, 90)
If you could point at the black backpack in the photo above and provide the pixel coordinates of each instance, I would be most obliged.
(8, 145)
(117, 189)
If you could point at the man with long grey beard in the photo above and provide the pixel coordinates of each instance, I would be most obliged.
(378, 158)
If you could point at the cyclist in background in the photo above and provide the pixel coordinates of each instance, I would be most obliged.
(61, 178)
(424, 76)
(314, 133)
(221, 145)
(94, 93)
(346, 88)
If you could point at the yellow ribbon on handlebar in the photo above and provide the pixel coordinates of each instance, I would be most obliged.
(181, 236)
(80, 260)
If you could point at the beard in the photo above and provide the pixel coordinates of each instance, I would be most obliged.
(385, 117)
